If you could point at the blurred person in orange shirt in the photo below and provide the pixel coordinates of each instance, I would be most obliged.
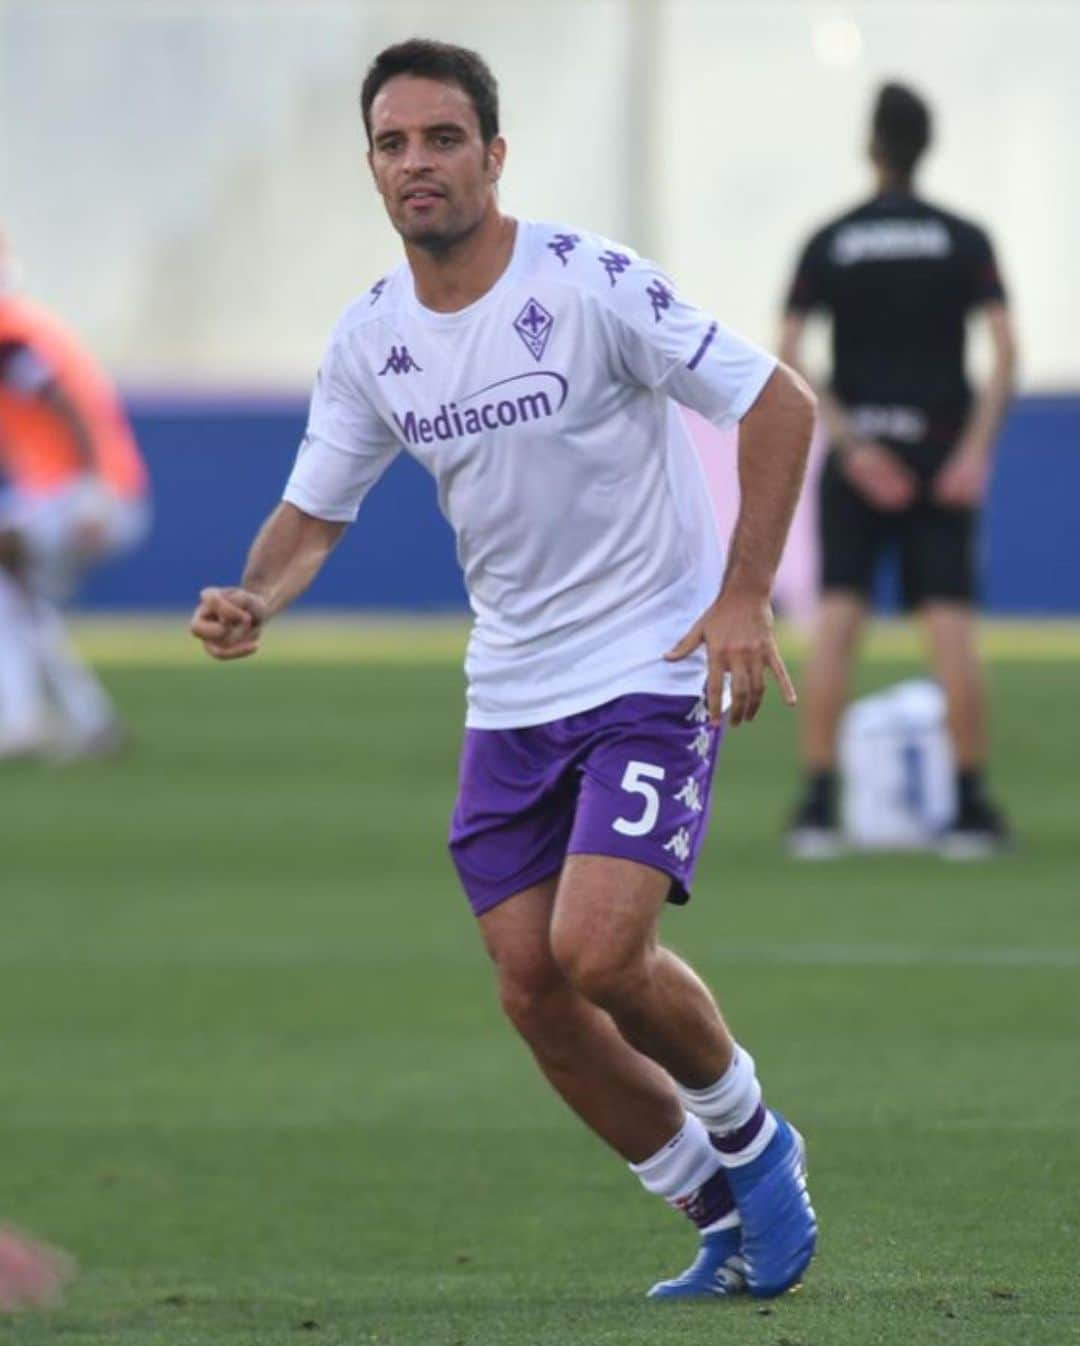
(74, 492)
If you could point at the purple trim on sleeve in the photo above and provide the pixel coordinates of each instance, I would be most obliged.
(702, 348)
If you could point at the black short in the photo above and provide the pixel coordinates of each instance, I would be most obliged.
(936, 545)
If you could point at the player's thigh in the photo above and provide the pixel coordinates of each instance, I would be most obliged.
(838, 622)
(606, 913)
(938, 556)
(641, 818)
(852, 533)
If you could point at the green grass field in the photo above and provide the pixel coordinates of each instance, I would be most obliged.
(252, 1073)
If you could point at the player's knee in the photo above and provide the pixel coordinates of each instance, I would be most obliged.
(606, 973)
(530, 998)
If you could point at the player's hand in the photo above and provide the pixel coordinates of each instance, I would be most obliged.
(962, 479)
(879, 475)
(229, 622)
(32, 1276)
(738, 635)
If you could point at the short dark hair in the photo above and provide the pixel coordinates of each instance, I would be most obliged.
(440, 61)
(901, 127)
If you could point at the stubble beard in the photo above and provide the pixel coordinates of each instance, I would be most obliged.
(441, 242)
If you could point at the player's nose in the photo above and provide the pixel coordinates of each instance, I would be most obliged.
(417, 158)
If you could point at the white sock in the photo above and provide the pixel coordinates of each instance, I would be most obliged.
(680, 1170)
(81, 699)
(22, 701)
(732, 1111)
(685, 1162)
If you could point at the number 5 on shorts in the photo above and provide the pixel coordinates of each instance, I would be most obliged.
(635, 781)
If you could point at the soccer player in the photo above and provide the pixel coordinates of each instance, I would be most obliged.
(533, 369)
(75, 493)
(911, 453)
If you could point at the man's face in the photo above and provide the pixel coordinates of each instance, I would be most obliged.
(430, 164)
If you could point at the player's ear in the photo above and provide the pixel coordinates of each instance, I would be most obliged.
(496, 157)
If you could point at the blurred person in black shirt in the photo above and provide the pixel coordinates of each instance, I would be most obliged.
(910, 453)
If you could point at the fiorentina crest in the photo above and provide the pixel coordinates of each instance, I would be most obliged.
(533, 325)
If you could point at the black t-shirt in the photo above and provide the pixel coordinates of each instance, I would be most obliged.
(898, 278)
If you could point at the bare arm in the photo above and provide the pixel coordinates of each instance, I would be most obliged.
(287, 554)
(829, 409)
(774, 439)
(964, 477)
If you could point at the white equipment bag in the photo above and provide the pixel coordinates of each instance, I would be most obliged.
(897, 768)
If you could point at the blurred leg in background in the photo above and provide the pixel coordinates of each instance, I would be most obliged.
(815, 827)
(50, 700)
(979, 828)
(22, 706)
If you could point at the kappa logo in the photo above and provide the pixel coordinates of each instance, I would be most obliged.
(399, 361)
(690, 795)
(679, 844)
(562, 245)
(660, 296)
(614, 263)
(533, 325)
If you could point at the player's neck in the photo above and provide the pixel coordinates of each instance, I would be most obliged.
(894, 184)
(457, 277)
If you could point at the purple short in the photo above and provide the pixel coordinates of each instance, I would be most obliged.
(630, 778)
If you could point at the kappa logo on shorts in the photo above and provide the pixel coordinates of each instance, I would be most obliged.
(690, 795)
(702, 743)
(679, 845)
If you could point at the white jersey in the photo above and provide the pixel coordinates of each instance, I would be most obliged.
(545, 412)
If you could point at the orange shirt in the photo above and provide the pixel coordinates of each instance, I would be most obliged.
(37, 451)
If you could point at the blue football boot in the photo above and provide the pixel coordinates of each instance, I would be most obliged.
(779, 1228)
(717, 1271)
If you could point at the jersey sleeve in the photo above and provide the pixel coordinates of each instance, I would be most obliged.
(666, 343)
(984, 283)
(346, 447)
(809, 288)
(23, 371)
